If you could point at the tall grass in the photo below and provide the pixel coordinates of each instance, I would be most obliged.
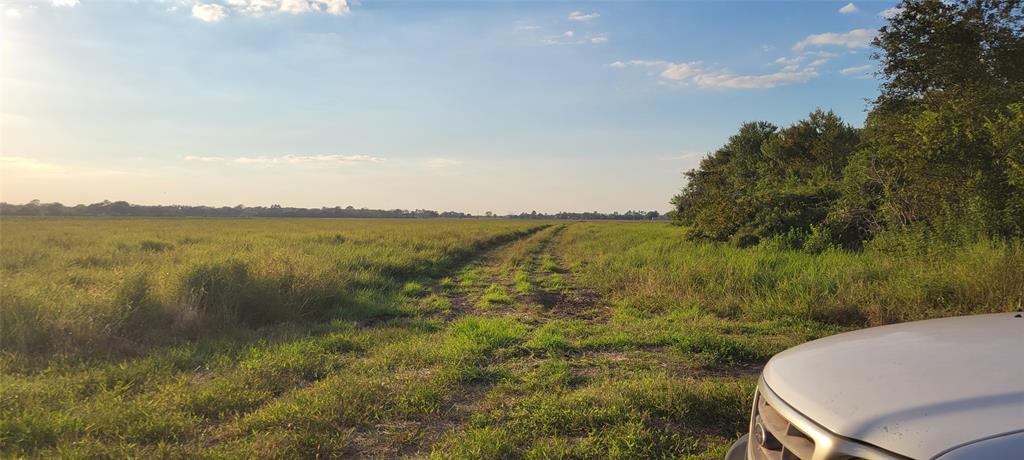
(381, 339)
(113, 285)
(653, 268)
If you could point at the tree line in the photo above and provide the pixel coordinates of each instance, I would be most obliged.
(126, 209)
(594, 215)
(940, 158)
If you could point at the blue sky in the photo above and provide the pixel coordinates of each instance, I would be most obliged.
(470, 106)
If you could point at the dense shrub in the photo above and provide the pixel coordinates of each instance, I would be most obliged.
(940, 156)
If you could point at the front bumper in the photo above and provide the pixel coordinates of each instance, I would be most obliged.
(790, 434)
(738, 451)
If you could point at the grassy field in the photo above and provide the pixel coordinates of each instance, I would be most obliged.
(449, 339)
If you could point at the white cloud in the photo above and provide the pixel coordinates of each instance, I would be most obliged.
(787, 61)
(298, 6)
(64, 3)
(889, 13)
(849, 8)
(859, 71)
(697, 74)
(583, 17)
(203, 159)
(856, 38)
(305, 160)
(524, 27)
(337, 7)
(438, 163)
(212, 12)
(570, 37)
(682, 71)
(12, 13)
(733, 81)
(209, 12)
(646, 63)
(254, 7)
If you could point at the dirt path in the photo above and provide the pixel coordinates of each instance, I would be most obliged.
(570, 333)
(526, 280)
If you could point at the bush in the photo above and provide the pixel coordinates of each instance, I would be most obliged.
(227, 290)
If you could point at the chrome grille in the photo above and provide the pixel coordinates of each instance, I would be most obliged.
(775, 438)
(779, 432)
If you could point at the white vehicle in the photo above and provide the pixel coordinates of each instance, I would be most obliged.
(947, 389)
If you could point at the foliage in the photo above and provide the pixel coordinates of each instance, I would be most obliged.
(940, 152)
(766, 181)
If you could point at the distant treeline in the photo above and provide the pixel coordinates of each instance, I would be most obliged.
(629, 215)
(125, 209)
(940, 159)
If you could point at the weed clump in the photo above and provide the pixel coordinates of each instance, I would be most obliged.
(228, 290)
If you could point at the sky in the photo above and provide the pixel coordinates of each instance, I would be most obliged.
(464, 106)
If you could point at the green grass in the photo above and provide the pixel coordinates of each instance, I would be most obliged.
(413, 289)
(495, 295)
(548, 264)
(383, 339)
(90, 285)
(522, 280)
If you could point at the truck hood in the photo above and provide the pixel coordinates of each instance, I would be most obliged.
(917, 389)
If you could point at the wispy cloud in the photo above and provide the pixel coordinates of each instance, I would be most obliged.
(889, 13)
(527, 27)
(861, 71)
(686, 155)
(770, 80)
(209, 12)
(848, 8)
(64, 3)
(31, 168)
(439, 163)
(583, 17)
(301, 160)
(204, 159)
(696, 73)
(570, 37)
(856, 38)
(23, 164)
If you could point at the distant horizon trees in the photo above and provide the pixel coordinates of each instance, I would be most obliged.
(940, 158)
(108, 208)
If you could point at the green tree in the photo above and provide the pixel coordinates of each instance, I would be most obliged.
(766, 182)
(712, 204)
(937, 145)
